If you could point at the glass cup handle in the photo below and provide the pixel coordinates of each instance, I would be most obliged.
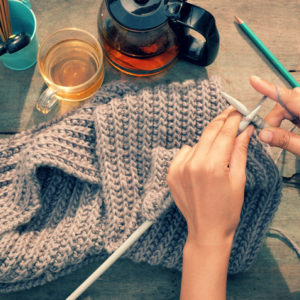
(46, 101)
(184, 17)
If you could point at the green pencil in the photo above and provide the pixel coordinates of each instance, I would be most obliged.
(285, 73)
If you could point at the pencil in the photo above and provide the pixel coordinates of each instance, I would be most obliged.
(285, 73)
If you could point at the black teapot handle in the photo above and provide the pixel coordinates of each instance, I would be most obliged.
(184, 16)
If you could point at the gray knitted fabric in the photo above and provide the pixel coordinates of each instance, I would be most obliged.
(77, 187)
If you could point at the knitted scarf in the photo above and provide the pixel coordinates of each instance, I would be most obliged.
(77, 187)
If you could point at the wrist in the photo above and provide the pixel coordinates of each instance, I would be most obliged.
(204, 271)
(222, 250)
(210, 241)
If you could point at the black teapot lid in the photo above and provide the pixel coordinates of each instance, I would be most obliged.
(138, 14)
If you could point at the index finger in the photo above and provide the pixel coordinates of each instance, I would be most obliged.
(289, 97)
(211, 131)
(223, 145)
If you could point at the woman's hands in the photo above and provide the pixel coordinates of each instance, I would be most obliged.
(207, 183)
(274, 135)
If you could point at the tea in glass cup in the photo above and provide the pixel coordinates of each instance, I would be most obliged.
(71, 63)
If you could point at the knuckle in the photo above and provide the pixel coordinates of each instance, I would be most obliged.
(215, 124)
(284, 140)
(243, 148)
(171, 180)
(171, 171)
(185, 147)
(176, 166)
(209, 169)
(190, 169)
(296, 92)
(228, 132)
(195, 171)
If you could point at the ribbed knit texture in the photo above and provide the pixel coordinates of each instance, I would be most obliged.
(77, 187)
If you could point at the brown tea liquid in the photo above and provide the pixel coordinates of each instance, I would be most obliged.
(140, 66)
(72, 63)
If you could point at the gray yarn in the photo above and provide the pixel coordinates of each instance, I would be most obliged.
(74, 189)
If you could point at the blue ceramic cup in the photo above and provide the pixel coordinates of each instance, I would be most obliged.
(22, 20)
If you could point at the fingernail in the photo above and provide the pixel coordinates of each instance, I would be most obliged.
(297, 89)
(255, 78)
(266, 136)
(230, 107)
(250, 131)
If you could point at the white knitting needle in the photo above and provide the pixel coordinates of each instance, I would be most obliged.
(249, 116)
(110, 260)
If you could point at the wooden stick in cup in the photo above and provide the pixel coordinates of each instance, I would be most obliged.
(3, 20)
(2, 33)
(7, 15)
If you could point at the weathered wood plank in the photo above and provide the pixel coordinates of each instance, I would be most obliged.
(275, 273)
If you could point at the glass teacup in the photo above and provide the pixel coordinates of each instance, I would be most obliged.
(71, 63)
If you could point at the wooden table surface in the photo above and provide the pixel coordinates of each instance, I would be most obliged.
(275, 273)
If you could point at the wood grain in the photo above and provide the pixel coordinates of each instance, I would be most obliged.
(276, 271)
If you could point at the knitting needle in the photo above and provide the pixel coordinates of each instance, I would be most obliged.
(110, 260)
(249, 116)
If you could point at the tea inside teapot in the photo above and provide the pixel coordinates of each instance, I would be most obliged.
(144, 37)
(135, 48)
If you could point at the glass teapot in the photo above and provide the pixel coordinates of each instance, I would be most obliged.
(144, 37)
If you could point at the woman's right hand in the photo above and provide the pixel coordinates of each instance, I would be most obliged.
(274, 135)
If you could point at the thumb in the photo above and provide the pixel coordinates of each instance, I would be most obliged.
(281, 138)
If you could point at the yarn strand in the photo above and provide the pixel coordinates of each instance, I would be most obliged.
(291, 243)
